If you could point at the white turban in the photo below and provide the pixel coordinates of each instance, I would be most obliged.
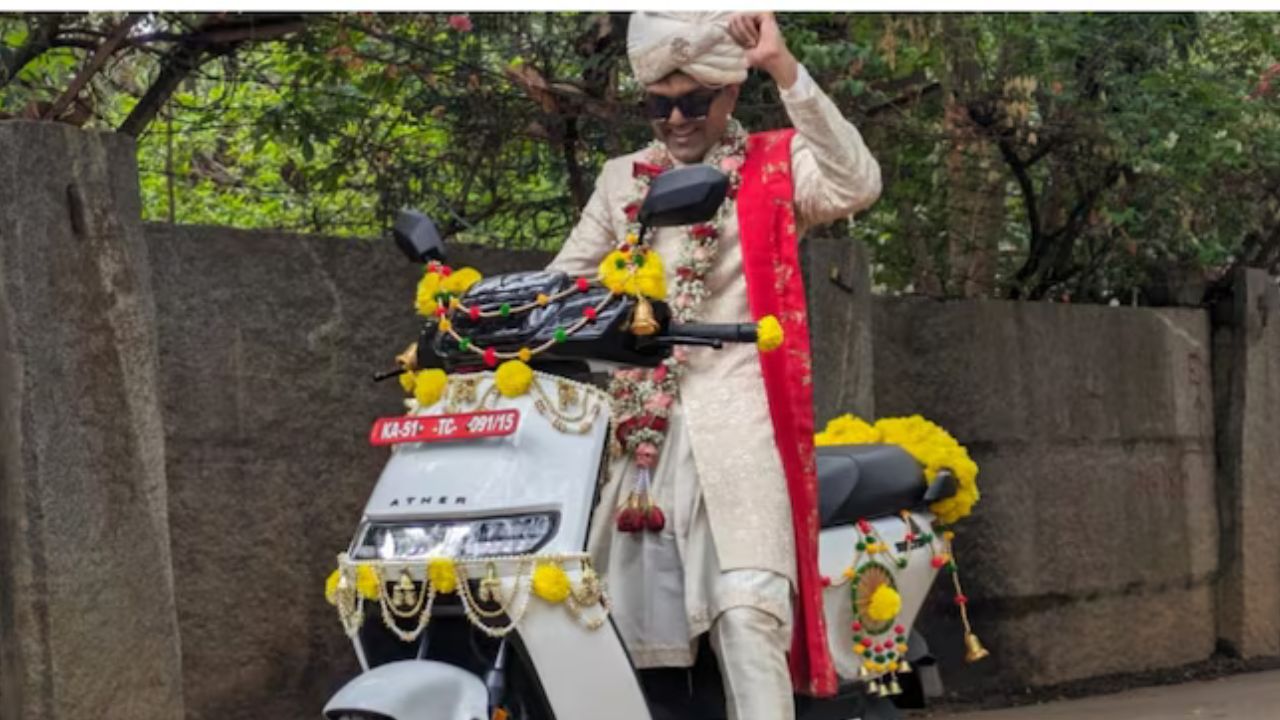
(695, 43)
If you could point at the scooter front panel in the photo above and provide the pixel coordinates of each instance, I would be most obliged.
(550, 463)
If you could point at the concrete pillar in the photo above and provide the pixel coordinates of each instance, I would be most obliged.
(88, 626)
(1247, 386)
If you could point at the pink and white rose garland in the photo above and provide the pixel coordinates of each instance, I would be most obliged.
(643, 398)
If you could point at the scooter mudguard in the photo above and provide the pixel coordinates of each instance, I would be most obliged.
(413, 690)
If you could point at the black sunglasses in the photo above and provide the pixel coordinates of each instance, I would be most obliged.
(693, 105)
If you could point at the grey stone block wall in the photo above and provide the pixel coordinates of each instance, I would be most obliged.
(1095, 546)
(87, 619)
(1247, 370)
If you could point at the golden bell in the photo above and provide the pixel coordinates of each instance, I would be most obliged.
(904, 667)
(873, 687)
(863, 673)
(408, 360)
(894, 687)
(973, 648)
(884, 690)
(642, 320)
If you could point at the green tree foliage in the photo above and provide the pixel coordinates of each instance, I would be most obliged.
(1096, 157)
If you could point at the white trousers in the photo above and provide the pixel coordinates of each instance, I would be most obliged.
(751, 647)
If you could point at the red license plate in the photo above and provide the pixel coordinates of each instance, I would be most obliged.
(436, 428)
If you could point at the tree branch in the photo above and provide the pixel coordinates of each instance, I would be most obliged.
(38, 41)
(95, 64)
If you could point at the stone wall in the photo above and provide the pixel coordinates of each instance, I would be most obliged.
(1094, 548)
(183, 414)
(87, 623)
(1247, 378)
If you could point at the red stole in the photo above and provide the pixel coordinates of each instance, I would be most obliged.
(771, 264)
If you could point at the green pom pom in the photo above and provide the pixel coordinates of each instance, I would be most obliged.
(505, 310)
(861, 546)
(620, 264)
(464, 344)
(561, 335)
(639, 259)
(902, 562)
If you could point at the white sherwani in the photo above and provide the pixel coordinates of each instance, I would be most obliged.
(728, 540)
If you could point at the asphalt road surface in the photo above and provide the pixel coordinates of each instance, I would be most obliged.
(1253, 696)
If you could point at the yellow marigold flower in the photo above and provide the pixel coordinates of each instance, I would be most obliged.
(551, 583)
(428, 289)
(442, 575)
(460, 281)
(885, 604)
(407, 381)
(429, 386)
(513, 378)
(367, 582)
(936, 449)
(619, 275)
(769, 335)
(331, 587)
(847, 430)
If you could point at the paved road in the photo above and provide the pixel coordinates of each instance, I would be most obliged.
(1254, 696)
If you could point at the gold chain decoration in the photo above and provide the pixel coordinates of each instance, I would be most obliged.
(542, 576)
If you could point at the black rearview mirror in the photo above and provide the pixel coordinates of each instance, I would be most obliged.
(418, 237)
(684, 196)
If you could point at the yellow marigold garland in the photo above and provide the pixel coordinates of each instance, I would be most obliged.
(460, 281)
(885, 604)
(428, 289)
(429, 386)
(929, 444)
(551, 583)
(443, 575)
(620, 273)
(513, 378)
(769, 335)
(847, 430)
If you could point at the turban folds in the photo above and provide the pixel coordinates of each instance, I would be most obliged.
(695, 43)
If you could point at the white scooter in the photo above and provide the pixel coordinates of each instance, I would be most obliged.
(467, 592)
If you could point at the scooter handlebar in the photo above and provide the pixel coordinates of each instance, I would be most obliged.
(724, 332)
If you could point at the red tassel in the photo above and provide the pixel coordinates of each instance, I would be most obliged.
(654, 520)
(631, 517)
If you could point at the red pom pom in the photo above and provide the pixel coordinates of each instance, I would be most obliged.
(962, 600)
(857, 626)
(630, 520)
(583, 284)
(898, 629)
(938, 561)
(654, 520)
(866, 642)
(440, 311)
(446, 271)
(864, 527)
(910, 537)
(826, 581)
(490, 357)
(474, 312)
(589, 313)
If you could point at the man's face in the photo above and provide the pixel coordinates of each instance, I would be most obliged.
(689, 137)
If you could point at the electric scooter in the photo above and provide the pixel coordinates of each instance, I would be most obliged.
(467, 591)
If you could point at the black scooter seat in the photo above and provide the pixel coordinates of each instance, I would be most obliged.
(867, 481)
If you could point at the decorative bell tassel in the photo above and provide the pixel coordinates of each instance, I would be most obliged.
(630, 517)
(894, 687)
(973, 648)
(904, 667)
(884, 690)
(642, 320)
(873, 687)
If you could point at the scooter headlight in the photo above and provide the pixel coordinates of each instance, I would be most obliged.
(484, 537)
